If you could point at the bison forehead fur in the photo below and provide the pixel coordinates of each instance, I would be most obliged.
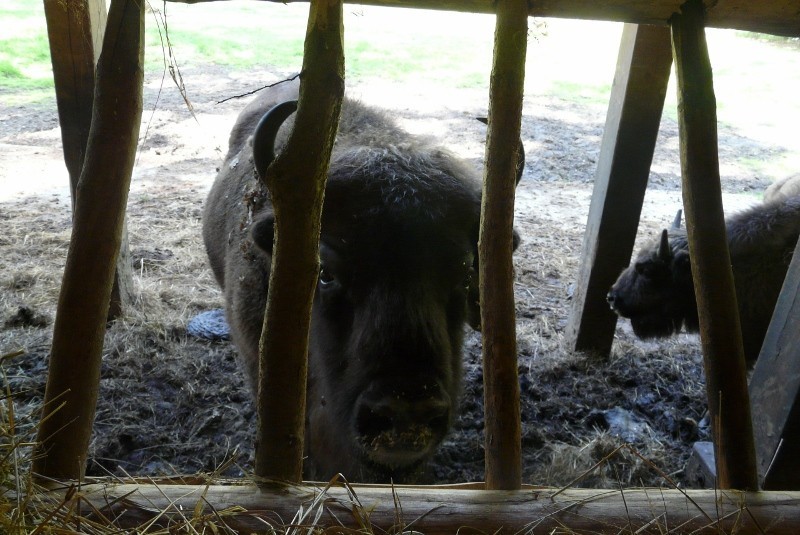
(396, 286)
(657, 292)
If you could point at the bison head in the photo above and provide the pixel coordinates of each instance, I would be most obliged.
(396, 286)
(657, 292)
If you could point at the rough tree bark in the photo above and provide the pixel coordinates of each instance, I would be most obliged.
(720, 333)
(434, 511)
(102, 194)
(498, 319)
(75, 31)
(296, 181)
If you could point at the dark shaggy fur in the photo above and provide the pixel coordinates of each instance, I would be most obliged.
(657, 293)
(396, 286)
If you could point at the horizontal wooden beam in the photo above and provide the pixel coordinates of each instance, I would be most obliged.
(434, 510)
(778, 17)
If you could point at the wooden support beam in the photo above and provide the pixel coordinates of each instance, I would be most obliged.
(779, 17)
(102, 194)
(626, 152)
(495, 245)
(720, 333)
(75, 31)
(775, 389)
(296, 181)
(434, 511)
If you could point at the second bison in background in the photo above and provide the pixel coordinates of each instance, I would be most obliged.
(782, 189)
(396, 286)
(657, 292)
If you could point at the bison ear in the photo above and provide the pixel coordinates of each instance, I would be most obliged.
(644, 267)
(682, 268)
(516, 240)
(681, 260)
(263, 232)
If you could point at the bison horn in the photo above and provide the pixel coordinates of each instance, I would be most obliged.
(676, 223)
(520, 152)
(664, 250)
(265, 133)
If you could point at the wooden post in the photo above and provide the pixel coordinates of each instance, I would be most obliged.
(296, 181)
(437, 511)
(102, 193)
(498, 319)
(626, 152)
(75, 31)
(775, 389)
(720, 333)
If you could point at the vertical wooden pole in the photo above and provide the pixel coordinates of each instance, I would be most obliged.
(626, 152)
(102, 193)
(501, 382)
(720, 333)
(296, 181)
(75, 31)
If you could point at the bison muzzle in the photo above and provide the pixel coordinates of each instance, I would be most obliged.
(396, 286)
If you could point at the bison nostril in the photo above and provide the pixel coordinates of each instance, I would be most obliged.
(372, 420)
(398, 415)
(435, 413)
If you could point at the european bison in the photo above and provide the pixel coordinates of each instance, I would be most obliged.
(396, 286)
(657, 293)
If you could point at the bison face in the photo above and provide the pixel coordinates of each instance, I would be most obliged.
(656, 292)
(396, 268)
(388, 327)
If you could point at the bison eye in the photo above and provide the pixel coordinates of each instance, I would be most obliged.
(326, 278)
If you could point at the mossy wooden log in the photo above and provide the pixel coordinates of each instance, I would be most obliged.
(720, 333)
(102, 193)
(75, 32)
(779, 17)
(495, 246)
(296, 181)
(250, 509)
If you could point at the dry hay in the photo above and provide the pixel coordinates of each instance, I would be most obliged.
(99, 506)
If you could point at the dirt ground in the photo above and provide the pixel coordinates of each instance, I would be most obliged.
(170, 403)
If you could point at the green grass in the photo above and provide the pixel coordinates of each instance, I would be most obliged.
(257, 36)
(581, 92)
(25, 63)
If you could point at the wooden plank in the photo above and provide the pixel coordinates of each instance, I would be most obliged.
(775, 389)
(74, 371)
(779, 17)
(296, 181)
(720, 333)
(503, 446)
(626, 152)
(386, 509)
(75, 32)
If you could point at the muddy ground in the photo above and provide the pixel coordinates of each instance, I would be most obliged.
(171, 403)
